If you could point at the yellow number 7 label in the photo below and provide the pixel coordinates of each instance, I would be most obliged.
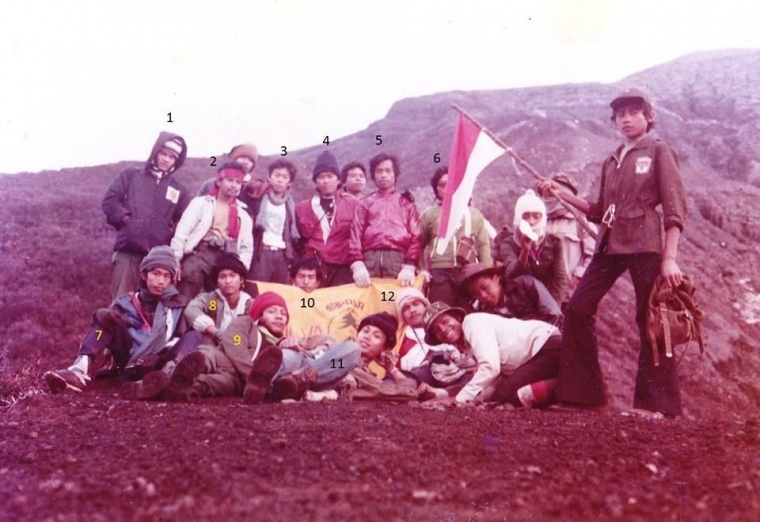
(99, 332)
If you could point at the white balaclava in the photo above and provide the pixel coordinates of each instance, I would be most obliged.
(529, 202)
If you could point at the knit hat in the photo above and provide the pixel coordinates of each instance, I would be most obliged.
(387, 324)
(529, 202)
(228, 261)
(174, 146)
(406, 296)
(326, 162)
(160, 257)
(433, 312)
(264, 301)
(247, 149)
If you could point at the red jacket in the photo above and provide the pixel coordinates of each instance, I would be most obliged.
(389, 222)
(333, 249)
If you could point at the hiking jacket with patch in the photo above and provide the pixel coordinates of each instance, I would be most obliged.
(329, 239)
(429, 222)
(646, 177)
(389, 222)
(153, 206)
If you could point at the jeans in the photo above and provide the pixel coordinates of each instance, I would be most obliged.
(331, 367)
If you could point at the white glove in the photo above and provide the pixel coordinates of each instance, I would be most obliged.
(361, 274)
(406, 276)
(426, 275)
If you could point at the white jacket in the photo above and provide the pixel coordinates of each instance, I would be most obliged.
(500, 345)
(196, 221)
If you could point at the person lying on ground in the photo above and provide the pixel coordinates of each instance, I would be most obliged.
(211, 312)
(442, 368)
(140, 330)
(210, 227)
(518, 360)
(530, 250)
(377, 337)
(253, 355)
(488, 290)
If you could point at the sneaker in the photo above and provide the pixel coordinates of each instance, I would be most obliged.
(264, 369)
(150, 387)
(315, 396)
(60, 380)
(188, 368)
(293, 385)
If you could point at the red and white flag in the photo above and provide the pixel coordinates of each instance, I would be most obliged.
(473, 151)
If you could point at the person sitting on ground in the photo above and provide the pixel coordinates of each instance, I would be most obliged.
(577, 243)
(530, 250)
(524, 297)
(211, 312)
(306, 274)
(140, 330)
(353, 176)
(324, 222)
(445, 269)
(434, 367)
(211, 226)
(377, 337)
(518, 361)
(251, 359)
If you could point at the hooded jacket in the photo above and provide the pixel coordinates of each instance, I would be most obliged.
(153, 206)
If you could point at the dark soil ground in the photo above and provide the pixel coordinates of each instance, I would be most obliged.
(96, 457)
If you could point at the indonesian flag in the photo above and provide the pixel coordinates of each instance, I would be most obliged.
(472, 152)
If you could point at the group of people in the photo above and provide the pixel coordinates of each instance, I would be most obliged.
(511, 321)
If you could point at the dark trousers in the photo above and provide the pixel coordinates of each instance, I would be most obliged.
(383, 263)
(443, 285)
(196, 269)
(336, 275)
(271, 266)
(126, 273)
(544, 365)
(580, 376)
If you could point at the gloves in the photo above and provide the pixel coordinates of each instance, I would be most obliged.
(425, 275)
(406, 276)
(361, 274)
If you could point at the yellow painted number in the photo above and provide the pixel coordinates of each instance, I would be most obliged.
(236, 340)
(99, 332)
(212, 305)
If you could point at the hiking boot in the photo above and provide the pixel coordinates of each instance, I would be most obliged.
(264, 369)
(188, 368)
(60, 380)
(150, 387)
(293, 385)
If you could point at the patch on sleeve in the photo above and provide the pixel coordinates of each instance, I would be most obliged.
(172, 194)
(642, 164)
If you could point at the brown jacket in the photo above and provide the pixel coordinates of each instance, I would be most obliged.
(647, 176)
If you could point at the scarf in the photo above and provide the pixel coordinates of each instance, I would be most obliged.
(325, 220)
(290, 210)
(161, 325)
(233, 223)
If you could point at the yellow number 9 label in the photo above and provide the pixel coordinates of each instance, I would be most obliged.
(236, 340)
(212, 305)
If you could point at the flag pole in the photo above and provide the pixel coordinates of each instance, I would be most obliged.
(527, 166)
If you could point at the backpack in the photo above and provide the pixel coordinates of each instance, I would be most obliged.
(673, 318)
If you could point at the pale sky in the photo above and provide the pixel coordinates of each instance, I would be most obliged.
(87, 83)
